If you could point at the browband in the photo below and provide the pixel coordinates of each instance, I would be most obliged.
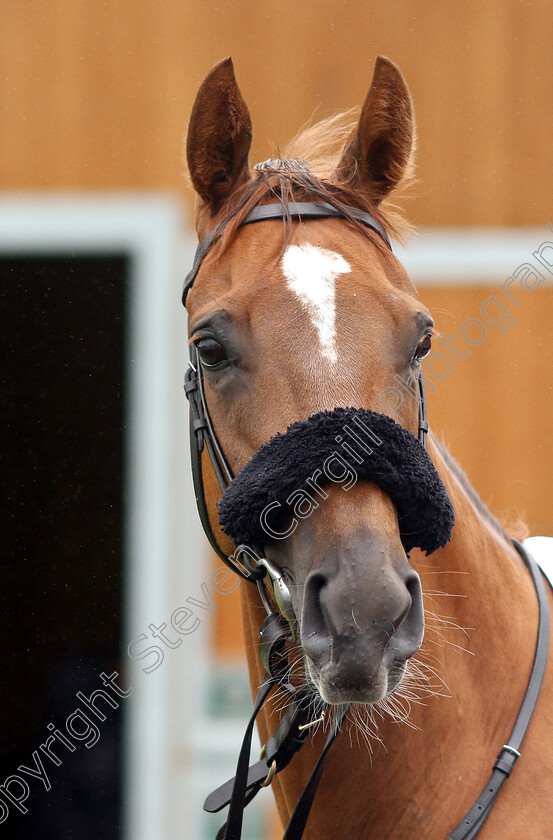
(295, 210)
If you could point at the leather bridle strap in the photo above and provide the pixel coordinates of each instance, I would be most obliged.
(471, 824)
(298, 820)
(233, 825)
(278, 752)
(289, 736)
(293, 210)
(202, 434)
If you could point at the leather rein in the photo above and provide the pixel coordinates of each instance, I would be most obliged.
(305, 712)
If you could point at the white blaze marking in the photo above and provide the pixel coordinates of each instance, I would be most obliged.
(311, 273)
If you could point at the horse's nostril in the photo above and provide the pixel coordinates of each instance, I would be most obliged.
(409, 627)
(315, 634)
(400, 618)
(412, 587)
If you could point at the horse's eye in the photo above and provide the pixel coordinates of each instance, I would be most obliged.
(423, 348)
(211, 353)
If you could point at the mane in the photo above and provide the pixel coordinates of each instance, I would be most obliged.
(307, 171)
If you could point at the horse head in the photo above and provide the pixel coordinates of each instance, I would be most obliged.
(292, 320)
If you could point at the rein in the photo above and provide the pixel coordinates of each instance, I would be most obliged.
(304, 712)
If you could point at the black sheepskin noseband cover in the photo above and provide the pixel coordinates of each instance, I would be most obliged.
(338, 446)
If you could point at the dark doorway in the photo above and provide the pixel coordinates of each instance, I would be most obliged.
(62, 339)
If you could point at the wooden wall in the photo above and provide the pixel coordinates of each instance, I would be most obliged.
(96, 93)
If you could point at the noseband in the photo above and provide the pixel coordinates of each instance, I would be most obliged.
(398, 462)
(282, 478)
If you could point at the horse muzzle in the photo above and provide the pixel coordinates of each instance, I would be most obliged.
(362, 619)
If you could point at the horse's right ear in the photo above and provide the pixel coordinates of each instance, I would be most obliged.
(219, 137)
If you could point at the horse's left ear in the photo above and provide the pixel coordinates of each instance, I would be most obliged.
(377, 155)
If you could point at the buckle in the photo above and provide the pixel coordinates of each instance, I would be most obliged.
(507, 759)
(270, 775)
(190, 379)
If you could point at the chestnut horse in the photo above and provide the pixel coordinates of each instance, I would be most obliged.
(324, 315)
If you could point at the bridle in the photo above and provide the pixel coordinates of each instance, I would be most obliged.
(248, 562)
